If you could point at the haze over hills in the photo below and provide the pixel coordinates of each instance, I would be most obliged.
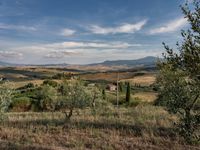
(5, 64)
(115, 64)
(146, 61)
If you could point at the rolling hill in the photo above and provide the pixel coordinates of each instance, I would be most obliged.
(146, 61)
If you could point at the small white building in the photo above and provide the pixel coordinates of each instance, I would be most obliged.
(111, 87)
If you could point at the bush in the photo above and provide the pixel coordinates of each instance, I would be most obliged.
(134, 102)
(50, 82)
(21, 104)
(46, 98)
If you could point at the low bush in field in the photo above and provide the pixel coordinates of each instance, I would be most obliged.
(134, 102)
(21, 104)
(50, 82)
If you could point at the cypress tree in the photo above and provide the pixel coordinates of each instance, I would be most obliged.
(128, 93)
(104, 94)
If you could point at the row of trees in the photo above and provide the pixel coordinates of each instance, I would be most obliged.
(65, 97)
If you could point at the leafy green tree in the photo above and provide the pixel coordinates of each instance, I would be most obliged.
(179, 77)
(74, 96)
(128, 92)
(6, 95)
(47, 98)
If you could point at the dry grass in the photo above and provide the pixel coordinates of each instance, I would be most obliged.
(143, 127)
(144, 80)
(109, 76)
(146, 96)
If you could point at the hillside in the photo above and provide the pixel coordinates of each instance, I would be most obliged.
(146, 61)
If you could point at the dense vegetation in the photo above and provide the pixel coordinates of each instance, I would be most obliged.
(179, 78)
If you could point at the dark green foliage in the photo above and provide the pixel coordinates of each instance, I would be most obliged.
(47, 98)
(128, 92)
(27, 86)
(120, 87)
(21, 104)
(62, 76)
(179, 80)
(73, 95)
(104, 94)
(50, 83)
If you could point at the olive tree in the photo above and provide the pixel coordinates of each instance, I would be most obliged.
(179, 76)
(98, 100)
(47, 98)
(74, 95)
(6, 95)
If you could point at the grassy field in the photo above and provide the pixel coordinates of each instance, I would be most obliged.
(142, 127)
(138, 125)
(143, 80)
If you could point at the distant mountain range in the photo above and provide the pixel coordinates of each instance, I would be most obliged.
(146, 61)
(6, 64)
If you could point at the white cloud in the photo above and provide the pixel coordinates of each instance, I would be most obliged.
(88, 45)
(67, 32)
(17, 27)
(124, 28)
(170, 26)
(61, 54)
(80, 52)
(10, 54)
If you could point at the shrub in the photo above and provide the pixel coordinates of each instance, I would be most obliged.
(21, 104)
(50, 82)
(134, 102)
(47, 98)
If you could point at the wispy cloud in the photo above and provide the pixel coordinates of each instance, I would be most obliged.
(170, 26)
(86, 45)
(61, 54)
(124, 28)
(67, 32)
(79, 52)
(10, 54)
(73, 49)
(17, 27)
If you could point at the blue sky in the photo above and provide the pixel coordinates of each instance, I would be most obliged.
(87, 31)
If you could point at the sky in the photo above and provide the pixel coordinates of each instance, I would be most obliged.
(87, 31)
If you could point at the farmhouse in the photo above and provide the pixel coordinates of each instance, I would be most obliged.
(111, 87)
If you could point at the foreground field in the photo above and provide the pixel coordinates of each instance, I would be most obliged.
(142, 127)
(137, 124)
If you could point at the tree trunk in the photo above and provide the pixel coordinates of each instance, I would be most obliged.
(188, 125)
